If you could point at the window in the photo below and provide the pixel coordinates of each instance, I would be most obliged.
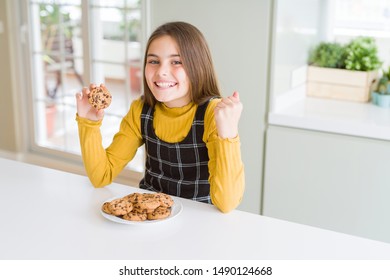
(363, 18)
(73, 43)
(370, 17)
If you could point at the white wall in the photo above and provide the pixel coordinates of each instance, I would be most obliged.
(296, 31)
(238, 34)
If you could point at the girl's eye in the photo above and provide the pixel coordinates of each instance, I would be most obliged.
(152, 61)
(176, 62)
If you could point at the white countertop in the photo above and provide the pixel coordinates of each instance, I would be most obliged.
(335, 116)
(49, 214)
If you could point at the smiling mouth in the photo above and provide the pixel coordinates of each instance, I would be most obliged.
(165, 84)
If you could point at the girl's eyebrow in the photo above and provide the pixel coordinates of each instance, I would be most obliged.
(155, 55)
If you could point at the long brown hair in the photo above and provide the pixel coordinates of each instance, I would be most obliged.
(196, 59)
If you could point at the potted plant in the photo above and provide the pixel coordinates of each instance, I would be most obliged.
(346, 72)
(56, 29)
(381, 96)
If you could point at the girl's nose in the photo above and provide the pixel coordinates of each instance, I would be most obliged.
(163, 69)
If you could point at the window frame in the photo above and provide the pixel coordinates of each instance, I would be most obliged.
(21, 39)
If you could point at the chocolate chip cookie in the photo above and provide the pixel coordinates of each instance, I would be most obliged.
(120, 207)
(134, 216)
(159, 213)
(100, 98)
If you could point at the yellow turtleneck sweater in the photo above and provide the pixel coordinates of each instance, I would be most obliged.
(171, 125)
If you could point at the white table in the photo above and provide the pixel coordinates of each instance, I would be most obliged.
(49, 214)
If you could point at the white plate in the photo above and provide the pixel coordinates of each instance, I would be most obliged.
(177, 207)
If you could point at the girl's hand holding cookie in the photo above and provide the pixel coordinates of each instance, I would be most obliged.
(92, 101)
(227, 115)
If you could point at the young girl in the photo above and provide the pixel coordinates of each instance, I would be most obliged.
(190, 133)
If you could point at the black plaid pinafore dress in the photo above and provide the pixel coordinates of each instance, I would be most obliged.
(178, 169)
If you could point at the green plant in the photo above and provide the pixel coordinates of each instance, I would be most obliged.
(384, 83)
(327, 54)
(132, 27)
(386, 73)
(50, 16)
(362, 55)
(57, 36)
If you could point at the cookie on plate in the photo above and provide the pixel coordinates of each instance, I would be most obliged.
(133, 197)
(147, 204)
(160, 213)
(106, 208)
(134, 216)
(100, 98)
(165, 200)
(120, 206)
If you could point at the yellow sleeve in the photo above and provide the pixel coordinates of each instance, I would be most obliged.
(227, 178)
(103, 165)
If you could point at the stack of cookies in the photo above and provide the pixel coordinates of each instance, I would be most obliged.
(140, 206)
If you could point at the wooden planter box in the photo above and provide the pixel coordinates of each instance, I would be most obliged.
(340, 84)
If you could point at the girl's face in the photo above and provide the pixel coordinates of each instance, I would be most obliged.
(164, 73)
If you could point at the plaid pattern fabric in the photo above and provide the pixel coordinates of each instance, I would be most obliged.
(179, 169)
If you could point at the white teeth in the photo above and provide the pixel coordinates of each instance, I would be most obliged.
(165, 84)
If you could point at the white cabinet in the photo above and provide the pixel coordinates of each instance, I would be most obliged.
(327, 180)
